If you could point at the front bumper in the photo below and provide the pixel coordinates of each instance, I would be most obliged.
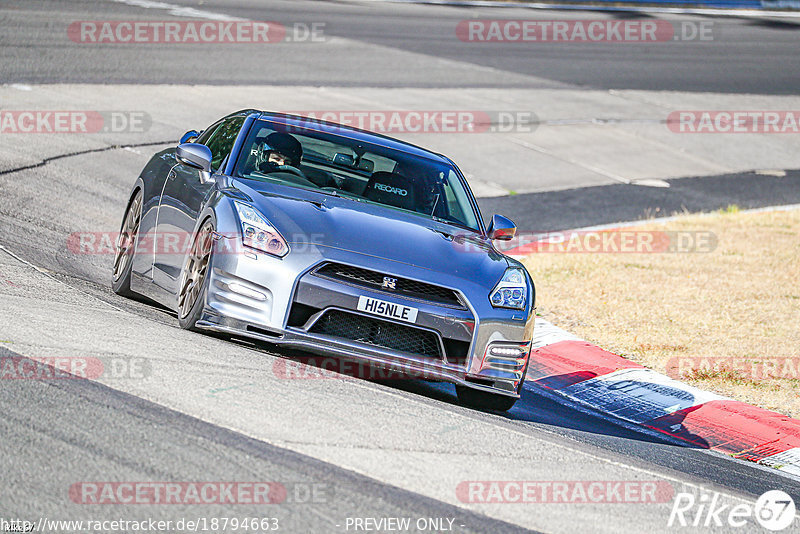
(464, 334)
(502, 382)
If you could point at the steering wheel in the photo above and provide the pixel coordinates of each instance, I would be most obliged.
(291, 170)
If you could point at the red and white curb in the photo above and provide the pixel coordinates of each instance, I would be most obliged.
(590, 377)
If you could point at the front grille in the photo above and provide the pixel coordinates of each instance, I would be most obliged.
(378, 333)
(403, 287)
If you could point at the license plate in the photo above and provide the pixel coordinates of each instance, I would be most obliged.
(387, 309)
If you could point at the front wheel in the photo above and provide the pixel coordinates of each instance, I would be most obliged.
(126, 246)
(483, 400)
(194, 280)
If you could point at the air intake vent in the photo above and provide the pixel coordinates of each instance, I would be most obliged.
(378, 333)
(404, 287)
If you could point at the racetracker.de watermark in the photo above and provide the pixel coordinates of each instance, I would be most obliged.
(582, 31)
(619, 241)
(734, 121)
(172, 243)
(73, 122)
(193, 32)
(564, 492)
(320, 367)
(208, 492)
(740, 366)
(422, 121)
(73, 367)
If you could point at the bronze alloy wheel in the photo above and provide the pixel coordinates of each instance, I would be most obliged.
(127, 237)
(194, 275)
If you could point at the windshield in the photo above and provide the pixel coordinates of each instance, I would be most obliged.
(353, 169)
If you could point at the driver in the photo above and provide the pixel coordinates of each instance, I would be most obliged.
(280, 152)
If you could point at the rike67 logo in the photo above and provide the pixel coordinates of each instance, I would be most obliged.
(774, 510)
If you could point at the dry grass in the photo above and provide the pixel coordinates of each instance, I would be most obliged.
(740, 301)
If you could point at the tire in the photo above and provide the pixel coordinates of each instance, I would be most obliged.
(194, 278)
(126, 247)
(482, 400)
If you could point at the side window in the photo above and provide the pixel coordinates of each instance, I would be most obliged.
(221, 139)
(457, 202)
(205, 134)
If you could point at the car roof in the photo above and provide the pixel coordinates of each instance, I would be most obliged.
(351, 132)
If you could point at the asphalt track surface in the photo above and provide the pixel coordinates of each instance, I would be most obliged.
(746, 56)
(56, 433)
(146, 441)
(601, 205)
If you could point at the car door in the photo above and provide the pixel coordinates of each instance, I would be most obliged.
(185, 194)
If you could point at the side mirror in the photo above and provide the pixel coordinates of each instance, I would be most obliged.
(189, 137)
(195, 155)
(501, 228)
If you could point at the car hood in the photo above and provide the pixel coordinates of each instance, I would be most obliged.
(306, 218)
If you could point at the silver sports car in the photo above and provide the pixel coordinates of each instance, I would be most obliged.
(334, 240)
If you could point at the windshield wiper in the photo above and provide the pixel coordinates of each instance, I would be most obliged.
(337, 193)
(453, 223)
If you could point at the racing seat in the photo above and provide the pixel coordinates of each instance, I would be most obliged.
(252, 156)
(391, 189)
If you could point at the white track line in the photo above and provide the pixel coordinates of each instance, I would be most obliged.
(732, 12)
(179, 11)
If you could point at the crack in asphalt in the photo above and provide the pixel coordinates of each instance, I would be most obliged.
(46, 161)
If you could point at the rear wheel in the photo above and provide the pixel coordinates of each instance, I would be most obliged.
(194, 280)
(126, 246)
(483, 400)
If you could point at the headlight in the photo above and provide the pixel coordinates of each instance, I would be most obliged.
(511, 291)
(258, 233)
